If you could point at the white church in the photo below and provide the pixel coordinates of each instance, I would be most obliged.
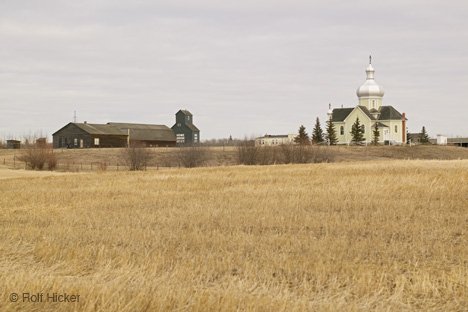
(370, 111)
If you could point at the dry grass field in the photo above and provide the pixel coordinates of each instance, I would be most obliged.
(356, 236)
(89, 159)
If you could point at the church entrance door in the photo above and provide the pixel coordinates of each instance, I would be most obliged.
(386, 134)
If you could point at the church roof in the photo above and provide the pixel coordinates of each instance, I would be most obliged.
(340, 114)
(386, 113)
(389, 113)
(366, 111)
(381, 125)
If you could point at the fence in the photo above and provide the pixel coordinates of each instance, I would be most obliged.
(15, 163)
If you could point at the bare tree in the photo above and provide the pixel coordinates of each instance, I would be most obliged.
(136, 157)
(192, 156)
(38, 155)
(247, 152)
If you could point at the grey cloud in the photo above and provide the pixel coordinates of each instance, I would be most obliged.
(259, 66)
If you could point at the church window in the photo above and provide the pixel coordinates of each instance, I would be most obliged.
(373, 104)
(396, 128)
(341, 130)
(363, 129)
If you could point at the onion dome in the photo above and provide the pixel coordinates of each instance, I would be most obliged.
(370, 88)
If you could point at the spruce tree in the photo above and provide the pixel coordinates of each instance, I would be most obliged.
(302, 138)
(376, 135)
(317, 133)
(357, 132)
(331, 133)
(423, 136)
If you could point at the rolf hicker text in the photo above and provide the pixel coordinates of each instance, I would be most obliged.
(49, 297)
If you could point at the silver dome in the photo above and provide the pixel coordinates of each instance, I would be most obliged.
(370, 87)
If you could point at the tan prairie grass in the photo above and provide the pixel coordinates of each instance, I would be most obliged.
(91, 159)
(382, 236)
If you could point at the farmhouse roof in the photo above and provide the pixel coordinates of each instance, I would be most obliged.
(273, 136)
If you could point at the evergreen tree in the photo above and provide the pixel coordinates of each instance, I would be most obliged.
(302, 138)
(357, 132)
(317, 133)
(423, 136)
(376, 135)
(331, 133)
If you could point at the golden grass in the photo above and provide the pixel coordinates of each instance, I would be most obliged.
(387, 236)
(90, 159)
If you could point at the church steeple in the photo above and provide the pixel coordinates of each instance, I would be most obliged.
(370, 94)
(370, 70)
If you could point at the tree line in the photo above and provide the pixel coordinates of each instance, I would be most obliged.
(329, 136)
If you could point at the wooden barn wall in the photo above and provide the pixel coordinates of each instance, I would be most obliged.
(65, 138)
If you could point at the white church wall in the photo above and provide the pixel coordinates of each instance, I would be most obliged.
(351, 119)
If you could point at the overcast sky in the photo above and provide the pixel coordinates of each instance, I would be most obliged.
(242, 68)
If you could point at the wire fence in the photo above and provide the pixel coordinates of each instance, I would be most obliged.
(72, 166)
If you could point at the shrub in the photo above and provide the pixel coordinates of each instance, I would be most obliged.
(36, 156)
(136, 157)
(302, 154)
(52, 162)
(192, 156)
(247, 152)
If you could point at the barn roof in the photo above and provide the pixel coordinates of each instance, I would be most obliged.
(98, 129)
(146, 132)
(192, 127)
(185, 112)
(139, 132)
